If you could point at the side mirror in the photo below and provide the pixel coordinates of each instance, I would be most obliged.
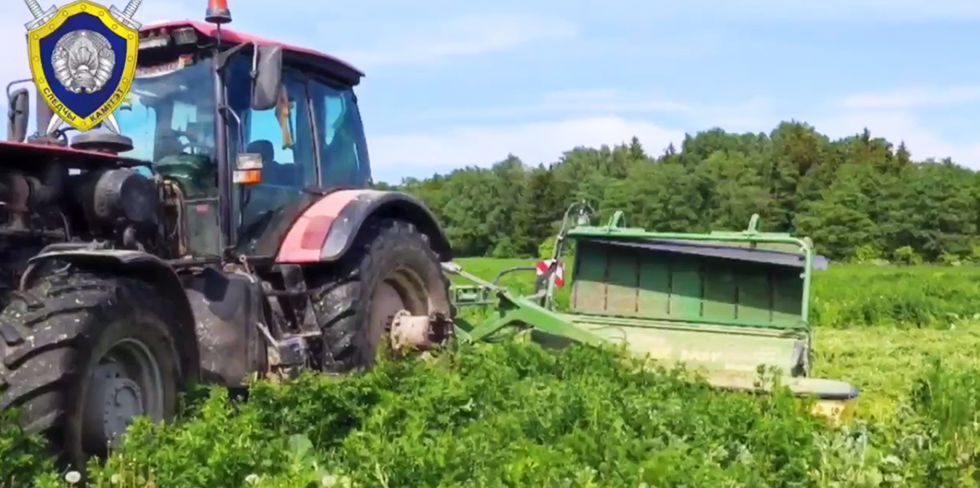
(17, 114)
(44, 115)
(268, 77)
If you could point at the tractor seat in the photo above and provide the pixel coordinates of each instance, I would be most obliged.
(272, 172)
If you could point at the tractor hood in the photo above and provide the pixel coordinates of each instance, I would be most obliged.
(25, 153)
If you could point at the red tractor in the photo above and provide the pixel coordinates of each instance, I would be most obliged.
(229, 232)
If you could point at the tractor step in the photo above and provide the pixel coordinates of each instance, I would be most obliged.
(293, 351)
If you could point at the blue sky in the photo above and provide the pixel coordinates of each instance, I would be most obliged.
(453, 83)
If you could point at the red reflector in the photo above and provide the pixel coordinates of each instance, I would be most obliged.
(558, 277)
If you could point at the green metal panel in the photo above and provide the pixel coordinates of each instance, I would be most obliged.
(787, 292)
(753, 297)
(685, 291)
(771, 272)
(653, 295)
(720, 294)
(658, 285)
(622, 279)
(589, 296)
(712, 348)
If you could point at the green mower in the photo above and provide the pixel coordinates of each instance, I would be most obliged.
(726, 305)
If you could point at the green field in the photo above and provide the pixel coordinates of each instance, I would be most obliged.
(514, 415)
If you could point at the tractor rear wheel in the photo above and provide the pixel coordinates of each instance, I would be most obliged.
(391, 267)
(83, 355)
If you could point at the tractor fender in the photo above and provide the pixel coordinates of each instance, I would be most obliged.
(327, 229)
(139, 265)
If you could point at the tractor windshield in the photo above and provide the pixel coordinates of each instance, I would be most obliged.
(169, 114)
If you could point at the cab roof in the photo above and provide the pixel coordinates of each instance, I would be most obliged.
(313, 59)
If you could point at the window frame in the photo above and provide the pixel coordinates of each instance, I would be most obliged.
(361, 150)
(300, 80)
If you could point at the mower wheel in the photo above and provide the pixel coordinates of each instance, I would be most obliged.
(391, 267)
(83, 355)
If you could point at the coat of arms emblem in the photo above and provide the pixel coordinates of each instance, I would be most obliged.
(83, 58)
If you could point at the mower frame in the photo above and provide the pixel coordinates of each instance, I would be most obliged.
(537, 315)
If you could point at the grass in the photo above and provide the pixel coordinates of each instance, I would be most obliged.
(848, 296)
(885, 362)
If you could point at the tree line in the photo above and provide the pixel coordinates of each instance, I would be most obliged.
(858, 198)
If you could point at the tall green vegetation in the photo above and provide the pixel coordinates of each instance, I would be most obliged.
(859, 198)
(516, 415)
(513, 414)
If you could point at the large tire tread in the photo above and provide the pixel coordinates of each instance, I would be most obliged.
(342, 304)
(49, 330)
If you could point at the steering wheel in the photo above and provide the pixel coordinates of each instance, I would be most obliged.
(188, 168)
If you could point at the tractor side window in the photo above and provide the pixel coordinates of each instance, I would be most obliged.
(343, 154)
(282, 136)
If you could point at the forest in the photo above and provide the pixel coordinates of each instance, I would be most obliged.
(860, 198)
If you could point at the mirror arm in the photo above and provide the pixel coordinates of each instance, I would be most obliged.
(244, 195)
(221, 60)
(225, 109)
(10, 86)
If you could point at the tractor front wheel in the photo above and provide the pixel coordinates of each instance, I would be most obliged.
(391, 268)
(83, 356)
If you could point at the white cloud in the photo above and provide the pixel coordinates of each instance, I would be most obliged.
(461, 36)
(422, 153)
(534, 143)
(913, 98)
(895, 115)
(901, 125)
(865, 11)
(567, 103)
(751, 115)
(575, 117)
(746, 115)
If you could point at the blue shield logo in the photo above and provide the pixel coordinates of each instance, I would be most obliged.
(83, 59)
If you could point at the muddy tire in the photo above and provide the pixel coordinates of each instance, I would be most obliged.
(391, 266)
(82, 354)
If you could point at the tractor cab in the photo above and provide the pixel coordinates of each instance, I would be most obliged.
(247, 129)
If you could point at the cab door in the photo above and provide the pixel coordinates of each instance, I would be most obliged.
(283, 137)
